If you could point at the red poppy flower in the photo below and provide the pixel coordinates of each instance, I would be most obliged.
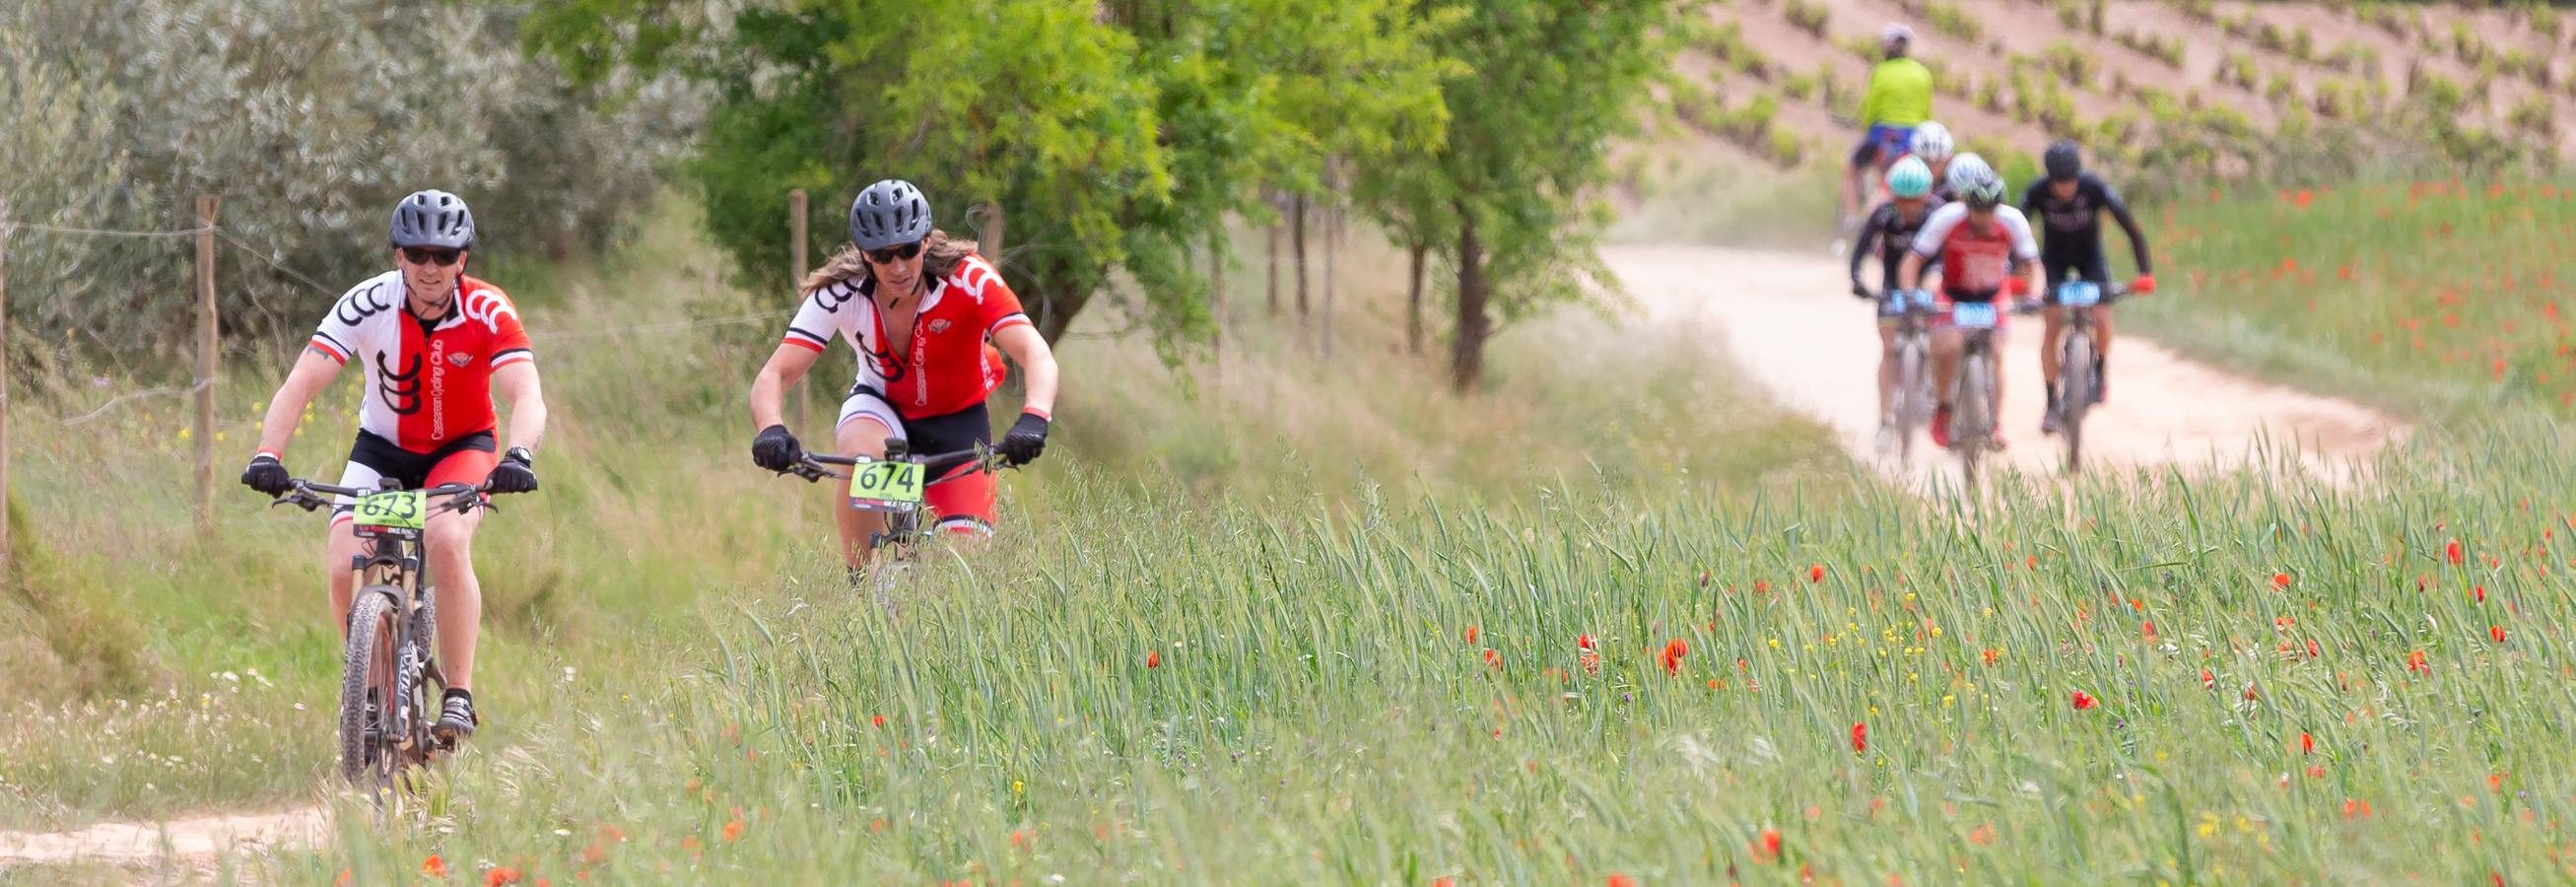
(2083, 701)
(2497, 632)
(1674, 650)
(1153, 659)
(2149, 628)
(1591, 663)
(2478, 594)
(2280, 580)
(879, 720)
(1583, 641)
(1815, 574)
(1992, 654)
(1622, 881)
(1493, 658)
(1768, 849)
(2415, 663)
(433, 866)
(2208, 680)
(1471, 634)
(2307, 744)
(500, 875)
(2451, 551)
(1860, 737)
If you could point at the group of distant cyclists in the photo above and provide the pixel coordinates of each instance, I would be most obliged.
(929, 318)
(1946, 211)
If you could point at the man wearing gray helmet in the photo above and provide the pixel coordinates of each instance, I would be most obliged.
(930, 321)
(434, 344)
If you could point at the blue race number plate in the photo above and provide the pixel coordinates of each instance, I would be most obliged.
(1973, 315)
(2079, 294)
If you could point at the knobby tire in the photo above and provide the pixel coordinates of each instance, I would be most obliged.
(367, 669)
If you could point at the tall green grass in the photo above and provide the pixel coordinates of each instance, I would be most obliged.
(2435, 298)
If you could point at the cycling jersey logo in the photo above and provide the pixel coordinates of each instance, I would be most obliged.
(400, 390)
(363, 304)
(939, 326)
(460, 359)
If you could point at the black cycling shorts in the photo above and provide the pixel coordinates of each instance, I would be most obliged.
(2091, 269)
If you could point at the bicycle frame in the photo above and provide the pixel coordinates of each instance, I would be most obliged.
(903, 528)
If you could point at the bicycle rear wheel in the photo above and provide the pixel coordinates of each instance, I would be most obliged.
(1913, 397)
(369, 691)
(2075, 395)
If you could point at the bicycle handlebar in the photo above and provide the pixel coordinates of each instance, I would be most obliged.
(815, 467)
(308, 495)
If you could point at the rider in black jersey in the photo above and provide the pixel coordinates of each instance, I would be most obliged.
(1891, 228)
(2067, 207)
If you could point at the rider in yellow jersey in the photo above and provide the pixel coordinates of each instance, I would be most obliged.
(1899, 98)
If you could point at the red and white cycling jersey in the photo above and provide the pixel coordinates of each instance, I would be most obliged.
(1975, 260)
(948, 366)
(427, 383)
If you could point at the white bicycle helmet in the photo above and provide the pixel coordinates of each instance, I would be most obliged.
(1894, 37)
(1975, 182)
(1932, 142)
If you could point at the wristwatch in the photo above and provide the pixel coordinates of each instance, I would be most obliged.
(522, 454)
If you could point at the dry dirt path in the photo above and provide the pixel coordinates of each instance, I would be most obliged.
(1791, 322)
(196, 842)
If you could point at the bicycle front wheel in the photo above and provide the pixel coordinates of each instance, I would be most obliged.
(1972, 422)
(2075, 395)
(368, 691)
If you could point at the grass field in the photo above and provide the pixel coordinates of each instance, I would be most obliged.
(1608, 620)
(2436, 298)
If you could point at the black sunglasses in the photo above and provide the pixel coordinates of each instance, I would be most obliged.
(422, 255)
(893, 254)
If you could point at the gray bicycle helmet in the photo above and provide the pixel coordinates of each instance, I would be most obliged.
(1975, 182)
(433, 218)
(889, 213)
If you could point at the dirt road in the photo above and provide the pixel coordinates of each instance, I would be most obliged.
(1791, 322)
(184, 842)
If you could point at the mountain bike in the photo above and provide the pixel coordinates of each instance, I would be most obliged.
(895, 486)
(1972, 414)
(1911, 402)
(388, 663)
(2079, 365)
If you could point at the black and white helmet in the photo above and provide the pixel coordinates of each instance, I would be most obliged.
(433, 218)
(889, 213)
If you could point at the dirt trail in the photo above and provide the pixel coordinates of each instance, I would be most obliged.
(1790, 321)
(189, 842)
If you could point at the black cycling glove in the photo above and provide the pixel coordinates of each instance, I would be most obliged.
(1026, 439)
(267, 475)
(514, 474)
(775, 449)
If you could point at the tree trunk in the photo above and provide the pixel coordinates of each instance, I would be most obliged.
(1216, 282)
(1413, 300)
(1297, 244)
(1467, 345)
(1274, 269)
(1332, 237)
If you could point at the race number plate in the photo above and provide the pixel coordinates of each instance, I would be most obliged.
(2079, 294)
(1973, 315)
(885, 486)
(396, 513)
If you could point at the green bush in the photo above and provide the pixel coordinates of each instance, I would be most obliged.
(2535, 115)
(1806, 16)
(1955, 22)
(310, 120)
(2074, 65)
(1800, 87)
(2070, 14)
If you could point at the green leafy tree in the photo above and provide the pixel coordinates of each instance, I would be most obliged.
(1116, 134)
(1510, 192)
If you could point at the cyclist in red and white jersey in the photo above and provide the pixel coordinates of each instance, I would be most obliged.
(434, 344)
(1985, 250)
(931, 321)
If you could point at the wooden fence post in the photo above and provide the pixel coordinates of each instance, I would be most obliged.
(4, 391)
(206, 346)
(796, 227)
